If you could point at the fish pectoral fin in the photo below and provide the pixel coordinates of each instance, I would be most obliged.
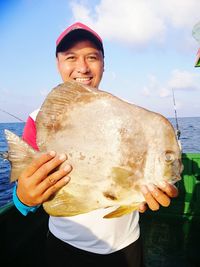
(122, 210)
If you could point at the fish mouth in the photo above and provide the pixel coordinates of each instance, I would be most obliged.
(175, 179)
(181, 168)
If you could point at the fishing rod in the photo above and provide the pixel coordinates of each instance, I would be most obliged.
(4, 111)
(178, 132)
(4, 154)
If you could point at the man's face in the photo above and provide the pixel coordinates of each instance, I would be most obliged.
(82, 62)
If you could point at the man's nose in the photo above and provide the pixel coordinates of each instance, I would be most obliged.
(82, 66)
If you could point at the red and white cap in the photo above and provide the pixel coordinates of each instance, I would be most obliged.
(76, 32)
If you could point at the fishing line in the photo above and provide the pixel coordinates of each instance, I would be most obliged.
(178, 132)
(4, 154)
(4, 111)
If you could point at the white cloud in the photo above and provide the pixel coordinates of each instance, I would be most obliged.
(178, 80)
(138, 22)
(180, 13)
(44, 92)
(152, 87)
(131, 22)
(184, 80)
(164, 92)
(81, 12)
(146, 91)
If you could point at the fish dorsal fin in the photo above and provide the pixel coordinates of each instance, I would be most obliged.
(67, 93)
(122, 210)
(60, 102)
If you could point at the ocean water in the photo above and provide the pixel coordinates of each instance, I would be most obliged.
(5, 186)
(190, 141)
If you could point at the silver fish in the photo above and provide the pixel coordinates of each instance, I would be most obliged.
(114, 148)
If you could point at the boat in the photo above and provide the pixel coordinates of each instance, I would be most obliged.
(171, 236)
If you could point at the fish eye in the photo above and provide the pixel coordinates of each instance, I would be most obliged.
(169, 156)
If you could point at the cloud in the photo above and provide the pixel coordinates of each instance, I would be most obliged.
(146, 91)
(164, 92)
(180, 13)
(178, 80)
(44, 92)
(152, 87)
(130, 22)
(136, 22)
(184, 80)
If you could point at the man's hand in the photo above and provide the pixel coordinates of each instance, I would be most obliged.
(41, 179)
(156, 196)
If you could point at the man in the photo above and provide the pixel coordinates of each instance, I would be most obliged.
(86, 239)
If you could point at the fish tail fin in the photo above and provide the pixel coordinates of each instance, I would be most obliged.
(122, 210)
(20, 154)
(4, 155)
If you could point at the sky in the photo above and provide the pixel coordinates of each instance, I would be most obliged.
(149, 51)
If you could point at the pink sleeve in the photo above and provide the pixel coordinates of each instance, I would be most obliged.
(29, 134)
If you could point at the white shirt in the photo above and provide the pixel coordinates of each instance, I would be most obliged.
(91, 232)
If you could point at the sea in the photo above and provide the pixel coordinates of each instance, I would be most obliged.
(190, 141)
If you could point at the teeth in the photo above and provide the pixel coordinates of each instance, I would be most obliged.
(82, 79)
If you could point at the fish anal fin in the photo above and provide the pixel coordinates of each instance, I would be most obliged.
(66, 204)
(122, 210)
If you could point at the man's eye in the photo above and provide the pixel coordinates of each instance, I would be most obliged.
(92, 58)
(70, 58)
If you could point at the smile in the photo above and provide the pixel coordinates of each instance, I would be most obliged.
(83, 79)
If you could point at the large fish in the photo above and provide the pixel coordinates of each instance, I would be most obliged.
(114, 148)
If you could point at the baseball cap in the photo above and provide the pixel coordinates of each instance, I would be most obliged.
(76, 32)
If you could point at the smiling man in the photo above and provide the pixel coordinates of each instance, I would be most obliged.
(86, 239)
(80, 57)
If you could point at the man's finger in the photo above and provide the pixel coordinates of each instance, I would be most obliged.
(142, 207)
(170, 189)
(159, 195)
(48, 167)
(37, 163)
(53, 178)
(54, 188)
(151, 202)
